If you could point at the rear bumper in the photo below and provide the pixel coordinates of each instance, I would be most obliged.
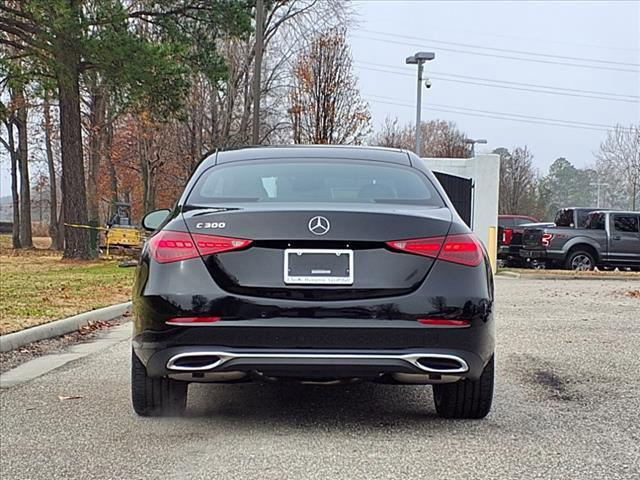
(539, 254)
(300, 363)
(326, 348)
(364, 330)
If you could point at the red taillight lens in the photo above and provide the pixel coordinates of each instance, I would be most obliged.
(507, 235)
(210, 244)
(444, 322)
(464, 248)
(546, 239)
(167, 246)
(191, 321)
(429, 247)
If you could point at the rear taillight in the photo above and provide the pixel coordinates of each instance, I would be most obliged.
(545, 240)
(168, 246)
(428, 247)
(463, 248)
(507, 235)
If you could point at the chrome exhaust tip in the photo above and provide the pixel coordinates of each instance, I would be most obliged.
(194, 362)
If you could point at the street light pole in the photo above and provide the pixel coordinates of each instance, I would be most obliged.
(418, 59)
(598, 184)
(257, 70)
(419, 107)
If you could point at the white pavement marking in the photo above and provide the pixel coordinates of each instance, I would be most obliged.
(41, 365)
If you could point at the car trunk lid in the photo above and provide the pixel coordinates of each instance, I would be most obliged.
(355, 231)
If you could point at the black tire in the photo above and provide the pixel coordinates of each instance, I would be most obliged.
(466, 398)
(580, 261)
(155, 397)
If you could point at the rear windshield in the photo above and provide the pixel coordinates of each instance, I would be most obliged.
(564, 218)
(296, 181)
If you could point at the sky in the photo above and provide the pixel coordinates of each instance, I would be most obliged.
(471, 40)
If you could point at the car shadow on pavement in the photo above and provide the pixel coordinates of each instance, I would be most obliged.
(329, 407)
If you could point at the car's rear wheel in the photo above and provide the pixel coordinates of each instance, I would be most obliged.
(155, 397)
(580, 261)
(466, 398)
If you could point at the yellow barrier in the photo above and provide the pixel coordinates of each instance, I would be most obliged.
(493, 247)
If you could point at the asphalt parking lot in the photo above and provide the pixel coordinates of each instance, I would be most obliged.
(566, 407)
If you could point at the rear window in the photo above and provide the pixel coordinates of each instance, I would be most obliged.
(596, 221)
(564, 218)
(338, 181)
(521, 221)
(583, 217)
(505, 222)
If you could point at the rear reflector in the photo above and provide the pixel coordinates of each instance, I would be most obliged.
(444, 322)
(167, 246)
(188, 321)
(464, 248)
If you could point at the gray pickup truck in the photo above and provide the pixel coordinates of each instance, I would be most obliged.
(607, 239)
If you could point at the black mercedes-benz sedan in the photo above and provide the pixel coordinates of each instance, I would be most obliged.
(313, 264)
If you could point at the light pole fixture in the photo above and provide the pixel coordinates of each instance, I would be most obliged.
(418, 59)
(599, 185)
(472, 142)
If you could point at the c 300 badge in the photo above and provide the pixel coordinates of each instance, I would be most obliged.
(211, 225)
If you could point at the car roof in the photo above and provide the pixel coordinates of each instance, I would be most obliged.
(381, 154)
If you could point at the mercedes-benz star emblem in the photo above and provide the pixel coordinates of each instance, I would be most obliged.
(319, 225)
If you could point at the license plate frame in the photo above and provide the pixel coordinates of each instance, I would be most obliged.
(318, 279)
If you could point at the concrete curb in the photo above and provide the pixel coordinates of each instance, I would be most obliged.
(15, 340)
(535, 276)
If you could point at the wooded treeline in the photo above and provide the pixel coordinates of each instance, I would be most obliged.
(613, 181)
(131, 94)
(117, 100)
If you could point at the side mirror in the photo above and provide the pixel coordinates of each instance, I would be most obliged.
(152, 220)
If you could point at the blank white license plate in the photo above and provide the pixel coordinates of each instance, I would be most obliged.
(313, 266)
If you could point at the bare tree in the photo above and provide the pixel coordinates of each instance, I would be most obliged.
(8, 119)
(440, 139)
(19, 102)
(517, 180)
(53, 190)
(619, 153)
(326, 106)
(289, 26)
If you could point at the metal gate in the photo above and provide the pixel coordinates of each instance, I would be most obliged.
(460, 192)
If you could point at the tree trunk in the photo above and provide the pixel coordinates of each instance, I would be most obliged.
(113, 176)
(148, 201)
(53, 190)
(15, 197)
(61, 229)
(96, 144)
(74, 197)
(26, 240)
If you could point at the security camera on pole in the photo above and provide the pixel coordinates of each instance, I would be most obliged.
(418, 59)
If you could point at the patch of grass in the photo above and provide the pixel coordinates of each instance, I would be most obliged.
(37, 286)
